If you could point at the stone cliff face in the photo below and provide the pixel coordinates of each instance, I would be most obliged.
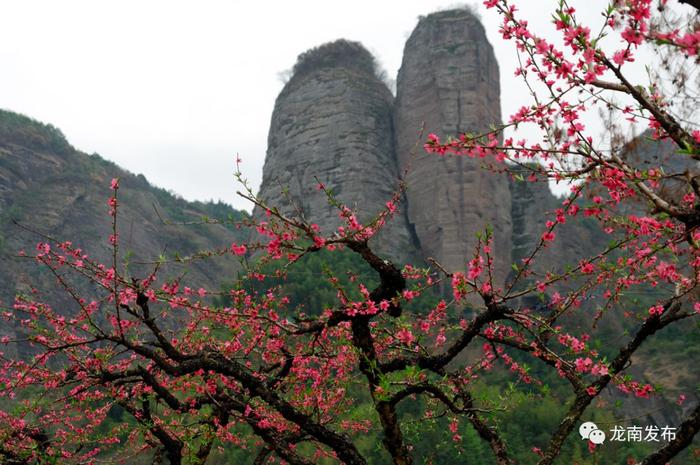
(449, 84)
(644, 152)
(332, 123)
(532, 205)
(336, 121)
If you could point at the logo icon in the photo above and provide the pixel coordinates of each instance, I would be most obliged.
(590, 431)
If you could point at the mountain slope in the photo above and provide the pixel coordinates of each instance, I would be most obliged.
(50, 187)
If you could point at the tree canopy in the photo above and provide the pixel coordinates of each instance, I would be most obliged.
(378, 364)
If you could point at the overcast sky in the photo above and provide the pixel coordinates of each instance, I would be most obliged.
(175, 89)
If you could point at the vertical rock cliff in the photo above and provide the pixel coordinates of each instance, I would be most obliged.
(333, 121)
(336, 121)
(449, 83)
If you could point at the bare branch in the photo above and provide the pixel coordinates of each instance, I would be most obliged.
(684, 436)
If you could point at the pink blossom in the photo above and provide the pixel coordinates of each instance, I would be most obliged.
(656, 310)
(238, 249)
(583, 365)
(405, 336)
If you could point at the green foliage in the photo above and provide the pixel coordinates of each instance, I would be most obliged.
(22, 130)
(307, 283)
(334, 54)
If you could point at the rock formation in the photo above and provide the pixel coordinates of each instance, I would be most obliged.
(332, 123)
(449, 84)
(532, 204)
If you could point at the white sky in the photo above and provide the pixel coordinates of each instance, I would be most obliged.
(175, 89)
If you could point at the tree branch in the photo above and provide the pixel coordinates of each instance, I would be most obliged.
(494, 311)
(667, 122)
(684, 436)
(650, 326)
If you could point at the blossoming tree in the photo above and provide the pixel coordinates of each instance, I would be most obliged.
(191, 375)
